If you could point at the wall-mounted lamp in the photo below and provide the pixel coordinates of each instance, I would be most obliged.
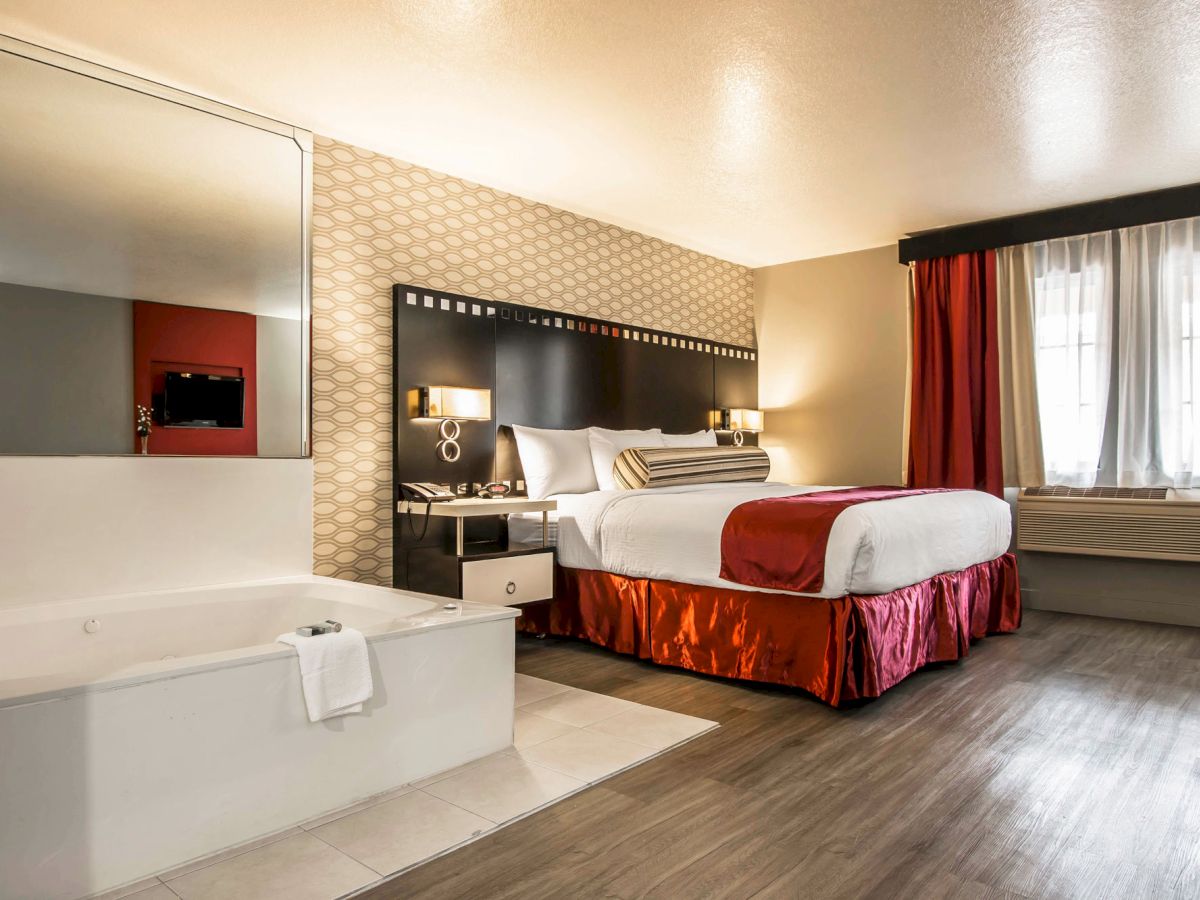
(737, 421)
(450, 404)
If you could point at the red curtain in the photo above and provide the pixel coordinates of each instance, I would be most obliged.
(954, 426)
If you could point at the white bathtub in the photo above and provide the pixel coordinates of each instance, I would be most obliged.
(178, 727)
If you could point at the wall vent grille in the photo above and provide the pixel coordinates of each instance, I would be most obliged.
(1137, 527)
(1101, 493)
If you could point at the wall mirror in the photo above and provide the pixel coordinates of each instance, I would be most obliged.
(154, 268)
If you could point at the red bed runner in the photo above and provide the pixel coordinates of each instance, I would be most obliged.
(780, 542)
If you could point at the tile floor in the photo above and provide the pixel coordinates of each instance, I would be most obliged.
(565, 739)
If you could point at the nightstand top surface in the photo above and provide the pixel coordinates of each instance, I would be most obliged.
(477, 506)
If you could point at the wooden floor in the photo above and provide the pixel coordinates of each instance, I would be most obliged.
(1063, 761)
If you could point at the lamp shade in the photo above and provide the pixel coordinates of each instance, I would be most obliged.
(442, 402)
(746, 420)
(737, 419)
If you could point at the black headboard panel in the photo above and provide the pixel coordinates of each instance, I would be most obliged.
(736, 383)
(552, 376)
(550, 370)
(437, 346)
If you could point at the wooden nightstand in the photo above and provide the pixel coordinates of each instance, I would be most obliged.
(508, 574)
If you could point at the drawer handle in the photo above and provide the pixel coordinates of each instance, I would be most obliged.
(511, 587)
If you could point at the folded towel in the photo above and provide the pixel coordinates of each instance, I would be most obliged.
(334, 672)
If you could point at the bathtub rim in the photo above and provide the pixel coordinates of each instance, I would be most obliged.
(66, 685)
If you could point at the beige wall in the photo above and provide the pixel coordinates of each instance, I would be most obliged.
(378, 221)
(832, 339)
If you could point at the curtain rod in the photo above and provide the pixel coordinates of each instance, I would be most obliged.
(1082, 218)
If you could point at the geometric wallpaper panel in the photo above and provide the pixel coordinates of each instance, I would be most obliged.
(378, 221)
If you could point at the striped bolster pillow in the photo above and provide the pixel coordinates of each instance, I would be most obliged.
(651, 467)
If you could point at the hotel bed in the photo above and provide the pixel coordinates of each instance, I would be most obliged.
(907, 582)
(674, 534)
(669, 572)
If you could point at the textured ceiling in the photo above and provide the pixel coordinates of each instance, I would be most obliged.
(756, 131)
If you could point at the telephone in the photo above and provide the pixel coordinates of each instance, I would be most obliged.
(424, 492)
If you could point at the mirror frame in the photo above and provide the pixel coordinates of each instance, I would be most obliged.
(303, 139)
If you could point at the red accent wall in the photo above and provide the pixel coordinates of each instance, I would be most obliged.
(206, 341)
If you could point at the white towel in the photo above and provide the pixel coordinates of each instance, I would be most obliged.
(334, 672)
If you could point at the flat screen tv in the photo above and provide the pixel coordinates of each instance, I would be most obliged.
(191, 400)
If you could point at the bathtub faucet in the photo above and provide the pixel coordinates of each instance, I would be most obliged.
(329, 625)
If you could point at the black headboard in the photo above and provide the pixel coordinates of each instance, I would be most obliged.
(549, 369)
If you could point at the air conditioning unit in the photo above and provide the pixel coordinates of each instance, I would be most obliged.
(1143, 523)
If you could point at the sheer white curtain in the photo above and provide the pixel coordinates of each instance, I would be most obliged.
(1073, 314)
(1158, 441)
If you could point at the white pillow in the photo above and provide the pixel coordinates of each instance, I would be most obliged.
(606, 446)
(696, 439)
(556, 461)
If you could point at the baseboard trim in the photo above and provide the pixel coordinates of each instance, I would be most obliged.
(1110, 607)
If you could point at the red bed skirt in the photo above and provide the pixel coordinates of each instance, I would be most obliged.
(841, 649)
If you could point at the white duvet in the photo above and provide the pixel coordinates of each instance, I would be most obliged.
(675, 534)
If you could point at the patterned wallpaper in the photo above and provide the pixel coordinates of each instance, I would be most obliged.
(378, 221)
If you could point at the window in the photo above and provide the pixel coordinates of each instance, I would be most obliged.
(1118, 359)
(1073, 312)
(1189, 381)
(1175, 307)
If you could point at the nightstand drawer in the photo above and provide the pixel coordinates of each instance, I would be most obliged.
(510, 579)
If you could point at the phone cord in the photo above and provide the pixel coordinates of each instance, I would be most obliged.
(408, 515)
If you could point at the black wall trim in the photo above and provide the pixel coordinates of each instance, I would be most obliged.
(1083, 218)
